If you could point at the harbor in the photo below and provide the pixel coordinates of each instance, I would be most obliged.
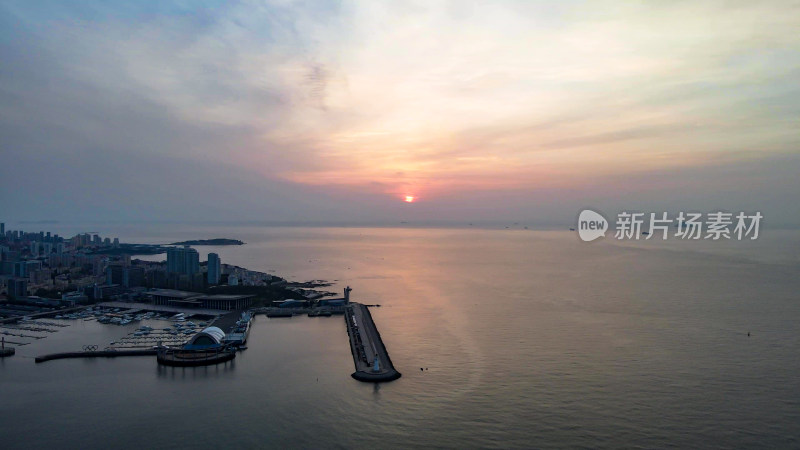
(216, 337)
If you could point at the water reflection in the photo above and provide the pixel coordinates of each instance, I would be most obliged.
(203, 372)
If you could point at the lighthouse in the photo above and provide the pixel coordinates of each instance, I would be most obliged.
(347, 294)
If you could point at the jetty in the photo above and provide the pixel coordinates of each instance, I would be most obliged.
(95, 354)
(370, 357)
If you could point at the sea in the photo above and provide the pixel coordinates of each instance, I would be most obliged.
(506, 338)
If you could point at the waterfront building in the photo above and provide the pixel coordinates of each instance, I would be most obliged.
(96, 292)
(213, 268)
(208, 338)
(74, 298)
(198, 281)
(233, 280)
(291, 303)
(183, 260)
(333, 302)
(186, 299)
(156, 278)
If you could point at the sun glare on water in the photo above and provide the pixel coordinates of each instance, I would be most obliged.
(409, 199)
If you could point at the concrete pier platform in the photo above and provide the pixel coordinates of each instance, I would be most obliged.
(370, 357)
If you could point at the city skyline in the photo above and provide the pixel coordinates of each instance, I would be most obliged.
(343, 111)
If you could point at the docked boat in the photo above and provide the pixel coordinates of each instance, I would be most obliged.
(240, 331)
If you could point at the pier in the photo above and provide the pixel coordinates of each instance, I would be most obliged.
(96, 354)
(370, 357)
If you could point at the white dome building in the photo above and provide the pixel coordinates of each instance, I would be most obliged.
(209, 337)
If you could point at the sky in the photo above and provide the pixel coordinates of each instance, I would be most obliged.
(337, 111)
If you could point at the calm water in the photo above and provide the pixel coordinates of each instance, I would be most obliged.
(531, 338)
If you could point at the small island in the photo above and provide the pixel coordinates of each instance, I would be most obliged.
(210, 242)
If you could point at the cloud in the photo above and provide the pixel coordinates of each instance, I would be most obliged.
(364, 102)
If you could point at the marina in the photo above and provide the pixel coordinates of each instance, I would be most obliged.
(215, 338)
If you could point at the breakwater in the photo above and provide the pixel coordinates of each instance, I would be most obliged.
(371, 360)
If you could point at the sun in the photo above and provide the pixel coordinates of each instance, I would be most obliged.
(409, 199)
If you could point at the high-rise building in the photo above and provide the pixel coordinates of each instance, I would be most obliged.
(20, 269)
(2, 229)
(213, 268)
(183, 260)
(115, 274)
(133, 276)
(17, 287)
